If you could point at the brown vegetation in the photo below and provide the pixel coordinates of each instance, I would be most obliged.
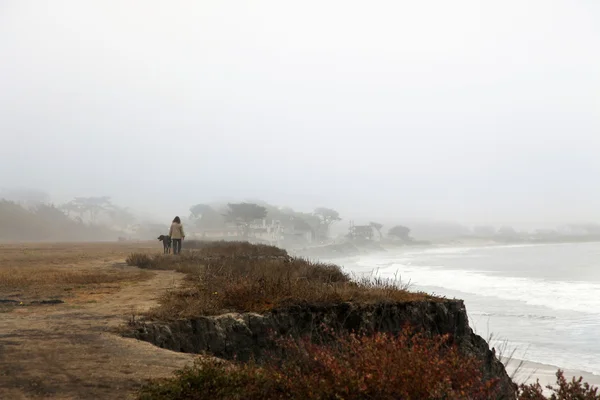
(70, 351)
(381, 366)
(236, 276)
(575, 389)
(57, 271)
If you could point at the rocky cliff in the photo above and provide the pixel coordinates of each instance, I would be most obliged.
(245, 335)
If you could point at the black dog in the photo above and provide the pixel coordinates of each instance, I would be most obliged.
(166, 243)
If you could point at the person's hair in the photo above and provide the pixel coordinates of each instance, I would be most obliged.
(176, 219)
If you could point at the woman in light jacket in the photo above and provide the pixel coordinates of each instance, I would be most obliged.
(177, 235)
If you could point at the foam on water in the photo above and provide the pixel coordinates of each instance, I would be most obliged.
(466, 249)
(575, 296)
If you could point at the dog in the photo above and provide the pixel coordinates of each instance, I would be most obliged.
(166, 240)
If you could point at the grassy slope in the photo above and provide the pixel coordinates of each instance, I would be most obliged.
(237, 276)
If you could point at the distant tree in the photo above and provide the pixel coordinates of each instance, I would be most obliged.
(295, 220)
(206, 217)
(44, 222)
(507, 232)
(72, 208)
(327, 216)
(244, 214)
(287, 210)
(581, 229)
(92, 205)
(310, 219)
(439, 230)
(300, 224)
(592, 229)
(303, 222)
(121, 217)
(51, 214)
(273, 212)
(197, 210)
(400, 232)
(377, 226)
(484, 231)
(546, 233)
(26, 197)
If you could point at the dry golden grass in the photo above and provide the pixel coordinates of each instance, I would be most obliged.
(226, 277)
(66, 254)
(65, 270)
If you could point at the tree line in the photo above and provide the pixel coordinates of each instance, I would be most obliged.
(29, 215)
(245, 216)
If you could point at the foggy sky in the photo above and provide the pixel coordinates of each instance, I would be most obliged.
(473, 111)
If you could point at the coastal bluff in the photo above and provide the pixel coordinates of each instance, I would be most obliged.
(242, 336)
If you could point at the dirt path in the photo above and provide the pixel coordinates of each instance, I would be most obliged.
(68, 351)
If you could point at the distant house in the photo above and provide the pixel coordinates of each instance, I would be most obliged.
(271, 231)
(298, 236)
(298, 230)
(361, 232)
(286, 232)
(219, 233)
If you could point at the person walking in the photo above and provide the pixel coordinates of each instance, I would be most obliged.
(177, 235)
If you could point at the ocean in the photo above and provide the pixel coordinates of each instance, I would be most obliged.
(540, 301)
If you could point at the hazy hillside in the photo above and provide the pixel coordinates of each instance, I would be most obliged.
(46, 222)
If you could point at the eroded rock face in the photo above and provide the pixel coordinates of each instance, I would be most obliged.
(241, 336)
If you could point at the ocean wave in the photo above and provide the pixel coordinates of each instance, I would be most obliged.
(557, 295)
(546, 321)
(513, 315)
(463, 250)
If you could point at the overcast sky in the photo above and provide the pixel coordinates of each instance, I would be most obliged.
(474, 111)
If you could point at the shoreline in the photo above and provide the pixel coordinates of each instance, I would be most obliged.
(349, 250)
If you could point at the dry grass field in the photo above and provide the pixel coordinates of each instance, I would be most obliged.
(70, 350)
(31, 272)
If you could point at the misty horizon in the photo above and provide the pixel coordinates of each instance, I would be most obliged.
(465, 112)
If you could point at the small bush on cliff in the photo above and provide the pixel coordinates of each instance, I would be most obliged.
(576, 389)
(382, 366)
(233, 249)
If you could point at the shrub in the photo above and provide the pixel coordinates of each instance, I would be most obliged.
(233, 249)
(140, 260)
(186, 263)
(576, 389)
(383, 366)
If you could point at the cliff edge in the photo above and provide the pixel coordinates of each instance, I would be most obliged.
(246, 335)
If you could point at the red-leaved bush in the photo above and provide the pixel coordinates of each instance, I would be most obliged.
(575, 389)
(382, 366)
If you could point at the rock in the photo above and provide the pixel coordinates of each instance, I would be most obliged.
(55, 301)
(242, 336)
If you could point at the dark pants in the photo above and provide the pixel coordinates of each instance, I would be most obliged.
(176, 246)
